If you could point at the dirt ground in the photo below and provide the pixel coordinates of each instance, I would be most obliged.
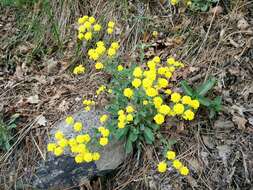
(40, 88)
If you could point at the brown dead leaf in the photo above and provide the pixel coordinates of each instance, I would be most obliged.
(239, 121)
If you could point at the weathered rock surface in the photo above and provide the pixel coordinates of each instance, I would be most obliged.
(62, 172)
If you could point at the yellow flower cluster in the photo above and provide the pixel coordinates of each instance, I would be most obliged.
(126, 116)
(79, 145)
(171, 155)
(97, 53)
(110, 27)
(101, 89)
(87, 25)
(87, 104)
(79, 70)
(154, 82)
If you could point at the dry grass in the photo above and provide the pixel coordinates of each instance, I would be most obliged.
(218, 152)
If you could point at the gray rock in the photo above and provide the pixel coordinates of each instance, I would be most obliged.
(62, 172)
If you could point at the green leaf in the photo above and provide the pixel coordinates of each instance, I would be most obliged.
(186, 88)
(133, 136)
(217, 103)
(148, 135)
(204, 101)
(154, 126)
(205, 87)
(129, 146)
(120, 133)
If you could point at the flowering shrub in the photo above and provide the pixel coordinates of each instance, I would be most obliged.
(141, 100)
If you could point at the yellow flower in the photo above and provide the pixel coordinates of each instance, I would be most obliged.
(87, 108)
(162, 167)
(99, 65)
(81, 29)
(115, 45)
(80, 36)
(174, 2)
(100, 43)
(159, 118)
(168, 74)
(81, 148)
(146, 83)
(168, 91)
(74, 148)
(157, 101)
(137, 72)
(157, 59)
(186, 100)
(129, 109)
(120, 112)
(103, 118)
(86, 138)
(72, 142)
(111, 52)
(178, 109)
(128, 92)
(151, 64)
(69, 120)
(184, 171)
(92, 20)
(87, 157)
(105, 132)
(63, 143)
(162, 83)
(87, 25)
(175, 97)
(100, 50)
(95, 156)
(129, 117)
(188, 115)
(136, 82)
(122, 118)
(79, 158)
(194, 104)
(109, 30)
(79, 69)
(151, 74)
(155, 34)
(81, 20)
(171, 61)
(109, 91)
(177, 164)
(161, 71)
(86, 102)
(58, 151)
(164, 109)
(103, 141)
(151, 92)
(80, 138)
(51, 147)
(111, 24)
(59, 135)
(121, 125)
(120, 68)
(78, 126)
(171, 155)
(189, 3)
(172, 69)
(145, 102)
(88, 36)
